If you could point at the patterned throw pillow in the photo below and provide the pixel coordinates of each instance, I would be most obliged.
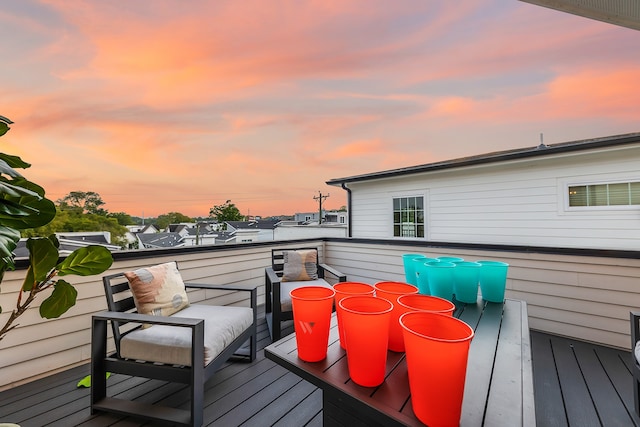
(300, 265)
(158, 290)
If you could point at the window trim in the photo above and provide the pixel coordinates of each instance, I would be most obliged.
(416, 225)
(569, 208)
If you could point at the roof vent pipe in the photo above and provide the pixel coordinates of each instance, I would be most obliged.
(542, 144)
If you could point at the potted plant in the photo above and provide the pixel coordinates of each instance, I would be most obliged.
(23, 205)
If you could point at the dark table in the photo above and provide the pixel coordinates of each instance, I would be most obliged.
(498, 387)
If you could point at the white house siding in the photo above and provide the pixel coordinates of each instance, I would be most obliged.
(519, 202)
(588, 298)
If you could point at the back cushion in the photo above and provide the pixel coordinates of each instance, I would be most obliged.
(300, 265)
(158, 290)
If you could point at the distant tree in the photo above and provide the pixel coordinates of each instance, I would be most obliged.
(122, 218)
(225, 212)
(343, 208)
(84, 201)
(164, 220)
(73, 221)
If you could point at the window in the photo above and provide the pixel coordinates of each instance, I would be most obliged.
(615, 194)
(408, 216)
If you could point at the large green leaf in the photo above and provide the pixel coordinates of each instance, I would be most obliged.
(8, 240)
(7, 169)
(86, 261)
(17, 187)
(43, 257)
(14, 161)
(61, 299)
(4, 128)
(25, 211)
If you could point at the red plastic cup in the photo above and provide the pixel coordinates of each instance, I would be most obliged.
(312, 307)
(437, 350)
(349, 289)
(419, 302)
(366, 330)
(392, 291)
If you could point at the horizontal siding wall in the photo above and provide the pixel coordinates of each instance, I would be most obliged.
(40, 347)
(588, 298)
(511, 203)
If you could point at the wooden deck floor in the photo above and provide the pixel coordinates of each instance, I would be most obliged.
(576, 384)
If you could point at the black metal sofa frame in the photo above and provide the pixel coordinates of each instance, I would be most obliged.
(121, 312)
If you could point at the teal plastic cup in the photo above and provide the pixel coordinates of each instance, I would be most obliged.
(422, 274)
(453, 259)
(466, 276)
(410, 268)
(440, 277)
(493, 280)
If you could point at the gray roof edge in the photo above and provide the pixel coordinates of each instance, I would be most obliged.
(498, 156)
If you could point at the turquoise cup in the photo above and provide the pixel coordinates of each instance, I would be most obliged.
(493, 280)
(409, 268)
(440, 277)
(466, 276)
(422, 274)
(453, 259)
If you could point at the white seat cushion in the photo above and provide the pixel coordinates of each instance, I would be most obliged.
(172, 344)
(287, 287)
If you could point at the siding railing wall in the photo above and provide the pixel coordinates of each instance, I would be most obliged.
(41, 347)
(586, 296)
(580, 296)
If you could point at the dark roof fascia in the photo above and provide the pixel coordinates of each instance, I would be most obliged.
(495, 157)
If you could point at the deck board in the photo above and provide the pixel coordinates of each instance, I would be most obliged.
(576, 383)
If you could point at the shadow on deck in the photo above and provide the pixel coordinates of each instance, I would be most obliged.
(576, 383)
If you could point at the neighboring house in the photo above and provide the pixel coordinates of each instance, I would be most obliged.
(159, 240)
(335, 218)
(70, 241)
(200, 234)
(224, 237)
(253, 231)
(580, 194)
(328, 217)
(306, 217)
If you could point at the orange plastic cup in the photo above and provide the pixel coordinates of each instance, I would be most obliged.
(419, 302)
(392, 291)
(349, 289)
(366, 329)
(312, 307)
(437, 350)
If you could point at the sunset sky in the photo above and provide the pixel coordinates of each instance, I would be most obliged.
(176, 106)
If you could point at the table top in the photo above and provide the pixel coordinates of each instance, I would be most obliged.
(493, 397)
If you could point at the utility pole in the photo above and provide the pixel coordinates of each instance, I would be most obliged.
(320, 197)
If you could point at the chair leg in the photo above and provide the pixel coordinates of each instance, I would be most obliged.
(267, 291)
(636, 388)
(98, 354)
(276, 327)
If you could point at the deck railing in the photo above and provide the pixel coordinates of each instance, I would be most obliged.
(580, 294)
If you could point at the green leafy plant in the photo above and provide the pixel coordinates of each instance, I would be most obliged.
(23, 205)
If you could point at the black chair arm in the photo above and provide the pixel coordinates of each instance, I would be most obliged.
(340, 276)
(272, 276)
(147, 318)
(253, 289)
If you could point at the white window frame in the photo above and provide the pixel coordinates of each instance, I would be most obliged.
(416, 225)
(586, 182)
